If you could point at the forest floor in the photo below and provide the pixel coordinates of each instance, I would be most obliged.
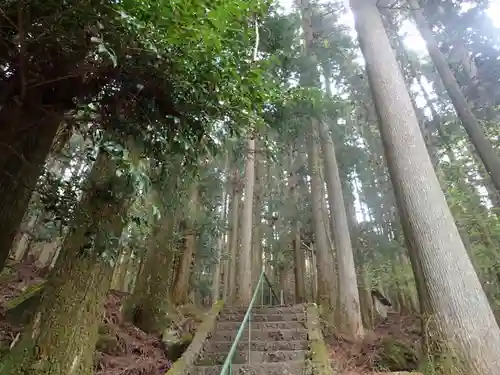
(392, 346)
(123, 349)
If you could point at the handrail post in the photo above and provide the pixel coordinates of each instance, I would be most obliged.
(249, 334)
(262, 294)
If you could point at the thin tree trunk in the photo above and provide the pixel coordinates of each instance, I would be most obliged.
(233, 234)
(314, 274)
(257, 215)
(459, 304)
(216, 277)
(300, 266)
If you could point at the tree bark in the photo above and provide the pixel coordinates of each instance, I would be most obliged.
(245, 289)
(233, 234)
(350, 314)
(460, 307)
(300, 266)
(216, 277)
(150, 306)
(180, 287)
(324, 261)
(257, 216)
(120, 270)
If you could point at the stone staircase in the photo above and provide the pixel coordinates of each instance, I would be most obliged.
(278, 343)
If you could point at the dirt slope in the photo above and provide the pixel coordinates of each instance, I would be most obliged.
(393, 346)
(123, 349)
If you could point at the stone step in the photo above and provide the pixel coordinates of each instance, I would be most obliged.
(229, 317)
(241, 357)
(224, 346)
(290, 309)
(278, 368)
(267, 335)
(229, 325)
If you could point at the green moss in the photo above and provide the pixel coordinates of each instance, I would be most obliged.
(443, 363)
(187, 338)
(4, 350)
(104, 329)
(107, 344)
(317, 349)
(20, 310)
(29, 292)
(18, 361)
(397, 356)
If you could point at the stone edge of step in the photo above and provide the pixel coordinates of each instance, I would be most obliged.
(257, 365)
(228, 343)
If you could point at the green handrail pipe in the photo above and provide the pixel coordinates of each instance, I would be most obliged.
(227, 363)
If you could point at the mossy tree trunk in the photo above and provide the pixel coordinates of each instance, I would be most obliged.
(150, 304)
(180, 287)
(62, 337)
(120, 271)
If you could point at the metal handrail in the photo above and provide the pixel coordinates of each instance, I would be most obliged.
(260, 285)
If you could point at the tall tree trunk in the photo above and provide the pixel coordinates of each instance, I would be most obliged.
(180, 287)
(300, 266)
(150, 305)
(62, 336)
(350, 314)
(314, 274)
(233, 234)
(298, 250)
(324, 261)
(257, 215)
(216, 278)
(476, 133)
(327, 297)
(245, 259)
(459, 304)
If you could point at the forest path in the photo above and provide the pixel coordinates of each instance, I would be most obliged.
(278, 342)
